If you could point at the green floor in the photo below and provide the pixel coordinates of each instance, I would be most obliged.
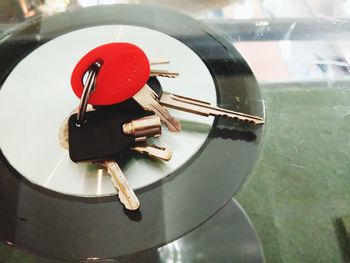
(300, 186)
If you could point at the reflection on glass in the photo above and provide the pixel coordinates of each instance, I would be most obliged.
(171, 253)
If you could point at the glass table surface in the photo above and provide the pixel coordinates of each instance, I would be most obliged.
(297, 194)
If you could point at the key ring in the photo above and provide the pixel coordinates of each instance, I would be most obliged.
(89, 87)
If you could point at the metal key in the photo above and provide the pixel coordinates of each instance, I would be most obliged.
(160, 72)
(126, 195)
(148, 100)
(136, 128)
(160, 61)
(163, 73)
(161, 153)
(204, 108)
(196, 106)
(125, 192)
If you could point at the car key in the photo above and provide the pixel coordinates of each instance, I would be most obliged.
(125, 193)
(140, 129)
(102, 137)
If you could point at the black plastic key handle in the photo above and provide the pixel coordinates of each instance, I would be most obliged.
(101, 138)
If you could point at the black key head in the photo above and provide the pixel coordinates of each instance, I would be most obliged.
(101, 137)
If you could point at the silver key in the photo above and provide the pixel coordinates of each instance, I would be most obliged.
(148, 100)
(160, 61)
(125, 193)
(204, 108)
(160, 72)
(163, 73)
(161, 153)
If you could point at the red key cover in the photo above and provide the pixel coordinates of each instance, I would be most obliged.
(124, 72)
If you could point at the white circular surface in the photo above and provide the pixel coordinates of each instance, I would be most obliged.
(37, 97)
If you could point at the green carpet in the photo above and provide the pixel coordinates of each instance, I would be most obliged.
(300, 185)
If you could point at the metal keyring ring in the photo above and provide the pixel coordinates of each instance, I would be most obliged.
(89, 87)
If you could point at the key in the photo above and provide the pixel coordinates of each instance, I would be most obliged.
(131, 105)
(159, 62)
(148, 100)
(140, 102)
(163, 73)
(102, 136)
(117, 83)
(204, 108)
(195, 106)
(161, 153)
(104, 133)
(125, 193)
(141, 129)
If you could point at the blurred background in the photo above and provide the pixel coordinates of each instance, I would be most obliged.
(17, 10)
(248, 22)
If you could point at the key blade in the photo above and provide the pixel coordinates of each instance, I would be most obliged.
(162, 153)
(163, 73)
(204, 108)
(148, 100)
(63, 135)
(171, 122)
(161, 61)
(125, 193)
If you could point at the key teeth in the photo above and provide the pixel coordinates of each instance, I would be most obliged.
(125, 192)
(167, 76)
(244, 120)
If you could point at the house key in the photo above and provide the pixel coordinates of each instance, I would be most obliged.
(199, 107)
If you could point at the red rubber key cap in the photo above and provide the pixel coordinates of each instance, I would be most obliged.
(124, 72)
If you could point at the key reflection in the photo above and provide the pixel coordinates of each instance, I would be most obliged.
(9, 243)
(93, 259)
(221, 131)
(99, 181)
(171, 253)
(55, 168)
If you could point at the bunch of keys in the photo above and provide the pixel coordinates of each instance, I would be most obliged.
(98, 136)
(139, 129)
(112, 92)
